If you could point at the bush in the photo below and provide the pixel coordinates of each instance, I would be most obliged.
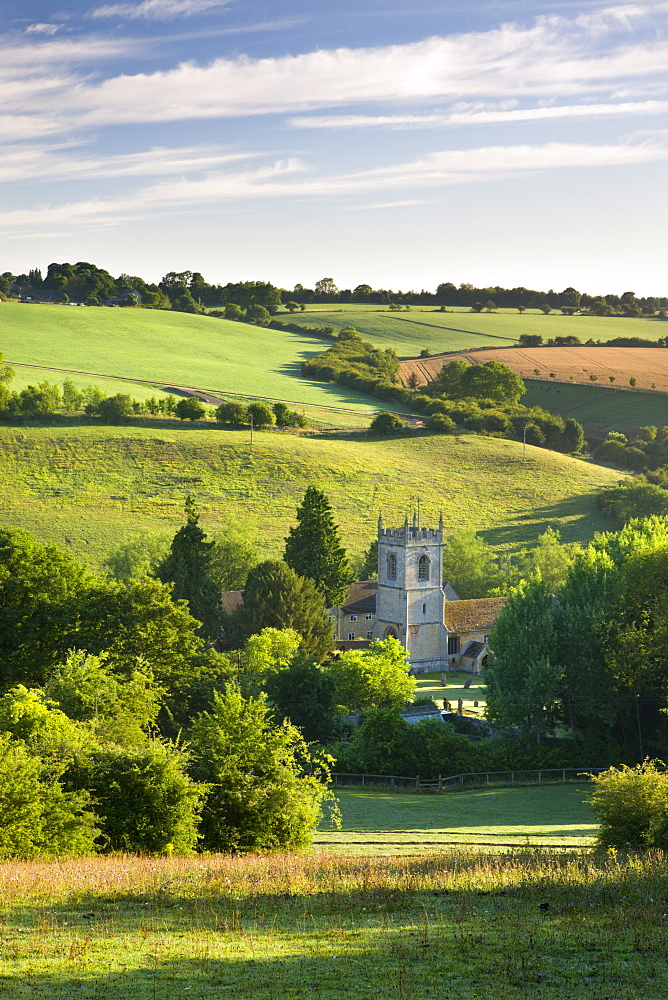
(38, 819)
(143, 797)
(232, 413)
(114, 408)
(385, 423)
(441, 423)
(629, 803)
(261, 414)
(190, 409)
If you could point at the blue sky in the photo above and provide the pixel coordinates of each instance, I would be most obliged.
(390, 142)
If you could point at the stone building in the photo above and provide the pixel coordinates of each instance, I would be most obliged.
(410, 602)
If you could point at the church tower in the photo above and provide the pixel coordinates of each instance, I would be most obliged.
(410, 598)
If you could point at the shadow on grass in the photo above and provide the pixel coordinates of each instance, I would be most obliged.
(535, 937)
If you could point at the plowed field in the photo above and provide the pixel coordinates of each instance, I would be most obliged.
(603, 365)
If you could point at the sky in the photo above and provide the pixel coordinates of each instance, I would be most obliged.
(396, 143)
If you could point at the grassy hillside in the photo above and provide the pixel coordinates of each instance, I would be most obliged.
(88, 487)
(599, 406)
(168, 347)
(424, 326)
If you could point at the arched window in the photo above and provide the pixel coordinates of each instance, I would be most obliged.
(390, 633)
(392, 566)
(423, 568)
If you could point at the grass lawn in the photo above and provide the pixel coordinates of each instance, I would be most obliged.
(429, 686)
(417, 823)
(460, 925)
(170, 347)
(88, 487)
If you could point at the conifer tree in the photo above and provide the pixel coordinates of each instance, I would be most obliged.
(188, 567)
(313, 549)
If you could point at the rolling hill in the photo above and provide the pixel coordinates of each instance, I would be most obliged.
(88, 487)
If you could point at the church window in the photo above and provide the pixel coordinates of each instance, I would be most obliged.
(453, 644)
(369, 634)
(392, 566)
(353, 618)
(423, 568)
(351, 635)
(368, 616)
(424, 609)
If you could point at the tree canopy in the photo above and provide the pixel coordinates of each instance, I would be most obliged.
(313, 549)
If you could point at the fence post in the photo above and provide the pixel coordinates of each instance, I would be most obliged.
(440, 782)
(417, 783)
(512, 777)
(461, 780)
(539, 774)
(392, 784)
(563, 776)
(487, 776)
(362, 781)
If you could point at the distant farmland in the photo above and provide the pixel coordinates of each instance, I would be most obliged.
(611, 366)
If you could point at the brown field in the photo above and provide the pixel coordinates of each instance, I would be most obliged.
(611, 365)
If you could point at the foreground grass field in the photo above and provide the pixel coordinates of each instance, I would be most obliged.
(88, 487)
(457, 926)
(168, 347)
(377, 822)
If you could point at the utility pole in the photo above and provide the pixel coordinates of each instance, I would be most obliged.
(524, 441)
(251, 420)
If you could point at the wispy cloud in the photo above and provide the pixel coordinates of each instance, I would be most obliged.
(42, 29)
(292, 178)
(486, 117)
(161, 10)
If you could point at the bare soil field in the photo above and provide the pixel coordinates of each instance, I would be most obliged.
(611, 366)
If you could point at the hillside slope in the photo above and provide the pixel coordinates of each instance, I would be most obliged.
(167, 346)
(89, 487)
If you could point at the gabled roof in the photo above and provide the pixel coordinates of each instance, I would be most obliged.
(230, 600)
(474, 649)
(361, 598)
(472, 616)
(450, 592)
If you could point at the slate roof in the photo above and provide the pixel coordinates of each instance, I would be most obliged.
(230, 600)
(472, 616)
(473, 650)
(361, 598)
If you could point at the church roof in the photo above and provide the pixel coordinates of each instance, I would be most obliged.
(473, 650)
(472, 616)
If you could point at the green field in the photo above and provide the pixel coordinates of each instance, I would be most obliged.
(88, 487)
(463, 924)
(168, 347)
(599, 407)
(417, 823)
(424, 326)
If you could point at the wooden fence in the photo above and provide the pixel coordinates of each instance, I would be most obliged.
(542, 776)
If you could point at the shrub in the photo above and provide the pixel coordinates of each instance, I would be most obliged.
(38, 819)
(385, 423)
(190, 409)
(629, 803)
(232, 413)
(441, 423)
(114, 408)
(261, 414)
(143, 797)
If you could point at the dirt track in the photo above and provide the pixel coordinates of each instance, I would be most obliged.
(611, 365)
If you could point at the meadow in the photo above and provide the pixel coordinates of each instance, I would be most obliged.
(163, 346)
(459, 328)
(417, 823)
(601, 408)
(464, 924)
(88, 487)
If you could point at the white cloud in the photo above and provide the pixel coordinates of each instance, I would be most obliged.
(291, 178)
(486, 117)
(42, 29)
(45, 162)
(157, 9)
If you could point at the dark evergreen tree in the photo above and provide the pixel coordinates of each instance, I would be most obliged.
(276, 597)
(188, 568)
(313, 549)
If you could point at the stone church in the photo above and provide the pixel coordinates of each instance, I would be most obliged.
(410, 602)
